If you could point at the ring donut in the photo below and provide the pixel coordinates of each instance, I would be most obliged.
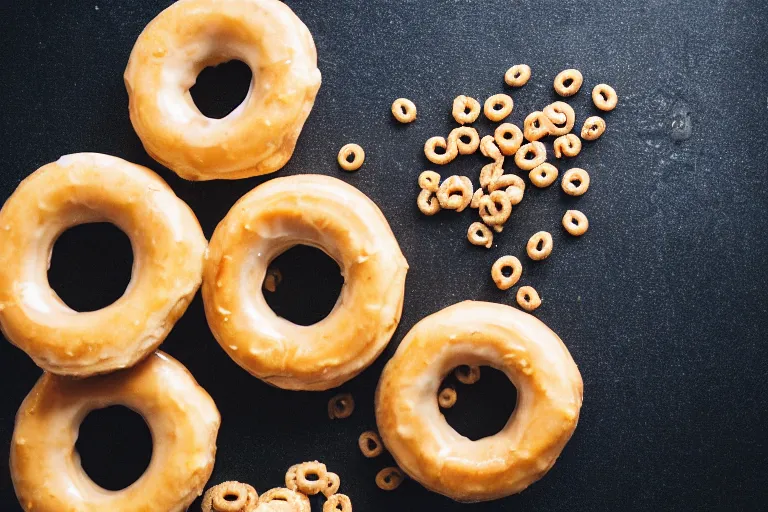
(426, 447)
(182, 417)
(259, 136)
(337, 218)
(168, 246)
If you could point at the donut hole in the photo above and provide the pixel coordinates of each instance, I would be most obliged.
(440, 150)
(467, 110)
(310, 287)
(115, 447)
(231, 496)
(351, 157)
(567, 82)
(498, 106)
(222, 88)
(91, 266)
(483, 408)
(507, 135)
(466, 139)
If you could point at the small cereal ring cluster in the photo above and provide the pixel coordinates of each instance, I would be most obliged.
(512, 184)
(455, 193)
(537, 126)
(539, 246)
(508, 138)
(429, 182)
(543, 175)
(593, 128)
(404, 110)
(604, 97)
(230, 497)
(447, 398)
(575, 182)
(528, 298)
(495, 208)
(518, 75)
(370, 444)
(567, 145)
(479, 234)
(575, 222)
(568, 82)
(467, 374)
(465, 109)
(453, 146)
(562, 117)
(297, 501)
(389, 479)
(341, 406)
(505, 282)
(498, 106)
(338, 503)
(536, 149)
(353, 151)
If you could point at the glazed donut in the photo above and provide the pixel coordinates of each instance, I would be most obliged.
(183, 419)
(337, 218)
(168, 247)
(259, 136)
(425, 446)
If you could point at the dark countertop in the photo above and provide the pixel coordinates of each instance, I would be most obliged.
(663, 303)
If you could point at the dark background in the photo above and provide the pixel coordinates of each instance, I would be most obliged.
(663, 303)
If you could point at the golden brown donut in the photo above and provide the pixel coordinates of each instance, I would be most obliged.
(326, 213)
(427, 448)
(168, 247)
(183, 419)
(259, 136)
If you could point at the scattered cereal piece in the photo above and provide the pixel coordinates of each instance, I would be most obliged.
(427, 203)
(315, 485)
(404, 110)
(230, 497)
(479, 234)
(508, 138)
(465, 147)
(475, 202)
(389, 479)
(341, 406)
(495, 208)
(333, 482)
(604, 97)
(446, 398)
(518, 75)
(498, 106)
(338, 503)
(568, 82)
(465, 109)
(537, 153)
(512, 184)
(505, 282)
(489, 148)
(298, 501)
(537, 126)
(351, 157)
(575, 182)
(370, 444)
(593, 128)
(290, 478)
(567, 145)
(455, 193)
(575, 222)
(543, 175)
(528, 298)
(451, 150)
(273, 279)
(562, 116)
(429, 180)
(467, 374)
(539, 246)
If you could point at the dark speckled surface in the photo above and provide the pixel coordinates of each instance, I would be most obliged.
(663, 304)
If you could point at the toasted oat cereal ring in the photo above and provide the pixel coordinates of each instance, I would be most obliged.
(575, 222)
(370, 444)
(535, 150)
(447, 398)
(543, 175)
(518, 75)
(512, 184)
(429, 180)
(498, 106)
(230, 497)
(498, 274)
(338, 503)
(389, 479)
(604, 97)
(257, 137)
(333, 482)
(495, 208)
(341, 406)
(316, 485)
(467, 373)
(489, 148)
(575, 182)
(539, 246)
(478, 333)
(168, 247)
(508, 138)
(335, 217)
(298, 501)
(568, 82)
(567, 145)
(290, 478)
(562, 117)
(404, 110)
(489, 173)
(475, 203)
(427, 202)
(465, 109)
(430, 150)
(593, 128)
(528, 299)
(537, 126)
(468, 146)
(182, 418)
(479, 234)
(351, 157)
(455, 193)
